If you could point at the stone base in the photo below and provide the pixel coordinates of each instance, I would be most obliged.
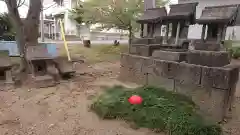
(147, 41)
(208, 58)
(169, 55)
(43, 81)
(6, 85)
(143, 50)
(207, 46)
(211, 88)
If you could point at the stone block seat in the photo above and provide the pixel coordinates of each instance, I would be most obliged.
(6, 78)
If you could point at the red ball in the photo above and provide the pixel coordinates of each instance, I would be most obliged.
(135, 99)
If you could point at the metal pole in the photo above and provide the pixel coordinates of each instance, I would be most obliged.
(42, 23)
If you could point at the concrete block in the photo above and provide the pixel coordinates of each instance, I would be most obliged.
(140, 41)
(216, 77)
(130, 75)
(169, 68)
(208, 58)
(211, 102)
(155, 78)
(189, 73)
(143, 50)
(132, 68)
(207, 46)
(156, 40)
(169, 55)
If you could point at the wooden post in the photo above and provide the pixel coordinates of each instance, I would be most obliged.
(177, 34)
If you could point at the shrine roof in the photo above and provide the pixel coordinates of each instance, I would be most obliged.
(219, 14)
(153, 15)
(183, 11)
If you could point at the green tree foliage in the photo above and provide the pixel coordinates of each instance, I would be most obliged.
(121, 14)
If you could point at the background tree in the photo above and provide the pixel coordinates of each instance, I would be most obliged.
(27, 29)
(120, 14)
(5, 24)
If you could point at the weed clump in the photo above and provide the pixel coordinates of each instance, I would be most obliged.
(161, 110)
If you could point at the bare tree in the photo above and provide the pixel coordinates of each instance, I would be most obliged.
(27, 30)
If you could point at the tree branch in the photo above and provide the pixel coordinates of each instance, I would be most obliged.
(20, 3)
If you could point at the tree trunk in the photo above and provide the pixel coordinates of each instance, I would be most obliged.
(26, 30)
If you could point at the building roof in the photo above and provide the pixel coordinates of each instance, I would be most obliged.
(219, 14)
(183, 11)
(153, 15)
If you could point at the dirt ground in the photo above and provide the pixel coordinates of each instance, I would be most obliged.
(64, 109)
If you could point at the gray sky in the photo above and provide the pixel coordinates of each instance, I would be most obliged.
(23, 10)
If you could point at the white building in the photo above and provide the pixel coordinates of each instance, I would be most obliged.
(74, 31)
(195, 30)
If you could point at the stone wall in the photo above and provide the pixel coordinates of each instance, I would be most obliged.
(212, 89)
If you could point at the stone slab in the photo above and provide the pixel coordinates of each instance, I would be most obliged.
(207, 46)
(208, 58)
(169, 55)
(143, 50)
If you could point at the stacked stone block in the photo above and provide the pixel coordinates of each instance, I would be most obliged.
(211, 88)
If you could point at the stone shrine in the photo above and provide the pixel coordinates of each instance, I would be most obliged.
(204, 75)
(209, 50)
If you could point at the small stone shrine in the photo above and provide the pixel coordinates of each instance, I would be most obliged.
(177, 22)
(46, 68)
(180, 17)
(209, 50)
(215, 21)
(150, 37)
(6, 78)
(43, 69)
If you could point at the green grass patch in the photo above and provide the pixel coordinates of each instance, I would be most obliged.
(161, 110)
(97, 53)
(233, 48)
